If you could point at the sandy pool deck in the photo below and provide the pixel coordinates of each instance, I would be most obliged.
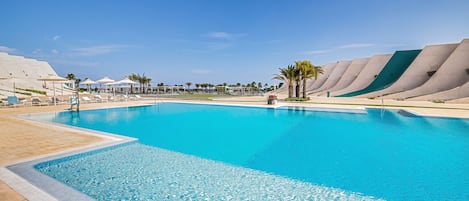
(22, 140)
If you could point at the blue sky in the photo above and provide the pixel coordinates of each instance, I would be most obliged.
(216, 41)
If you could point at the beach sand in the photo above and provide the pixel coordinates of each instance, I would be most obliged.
(22, 140)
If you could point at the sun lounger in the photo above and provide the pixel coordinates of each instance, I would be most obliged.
(57, 100)
(99, 98)
(86, 99)
(13, 101)
(111, 99)
(38, 102)
(126, 98)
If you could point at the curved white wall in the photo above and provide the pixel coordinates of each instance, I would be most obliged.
(334, 77)
(328, 68)
(451, 74)
(353, 70)
(430, 59)
(367, 75)
(455, 93)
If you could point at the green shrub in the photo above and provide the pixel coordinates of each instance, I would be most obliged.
(33, 90)
(24, 93)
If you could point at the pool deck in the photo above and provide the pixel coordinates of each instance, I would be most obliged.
(23, 140)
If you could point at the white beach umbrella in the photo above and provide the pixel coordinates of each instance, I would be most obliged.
(88, 83)
(126, 81)
(106, 81)
(53, 79)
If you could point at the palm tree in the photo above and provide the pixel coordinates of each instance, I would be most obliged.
(134, 77)
(72, 77)
(287, 75)
(197, 86)
(297, 78)
(188, 85)
(306, 71)
(143, 80)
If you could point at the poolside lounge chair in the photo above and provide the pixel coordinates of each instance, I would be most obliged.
(126, 98)
(111, 99)
(13, 101)
(99, 98)
(38, 102)
(57, 100)
(138, 97)
(86, 99)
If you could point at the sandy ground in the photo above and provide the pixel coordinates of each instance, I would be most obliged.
(23, 140)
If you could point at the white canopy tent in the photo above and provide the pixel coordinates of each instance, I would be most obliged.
(106, 81)
(53, 78)
(88, 82)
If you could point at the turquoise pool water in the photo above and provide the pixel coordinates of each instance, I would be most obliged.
(380, 153)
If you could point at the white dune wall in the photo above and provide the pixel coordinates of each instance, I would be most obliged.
(9, 65)
(451, 74)
(22, 71)
(430, 59)
(334, 77)
(8, 70)
(374, 66)
(350, 74)
(328, 68)
(455, 93)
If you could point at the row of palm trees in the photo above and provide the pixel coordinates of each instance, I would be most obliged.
(143, 80)
(300, 71)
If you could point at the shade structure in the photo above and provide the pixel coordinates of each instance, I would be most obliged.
(53, 79)
(105, 80)
(88, 83)
(125, 81)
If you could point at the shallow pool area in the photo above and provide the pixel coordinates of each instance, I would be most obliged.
(200, 151)
(141, 172)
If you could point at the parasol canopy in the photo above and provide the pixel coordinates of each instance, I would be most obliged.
(53, 79)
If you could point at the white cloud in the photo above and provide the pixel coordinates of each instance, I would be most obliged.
(7, 49)
(201, 71)
(37, 51)
(221, 40)
(224, 35)
(54, 51)
(75, 63)
(56, 37)
(347, 46)
(355, 45)
(312, 52)
(273, 41)
(219, 46)
(220, 35)
(97, 50)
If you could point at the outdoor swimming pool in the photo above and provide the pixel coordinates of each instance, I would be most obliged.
(240, 151)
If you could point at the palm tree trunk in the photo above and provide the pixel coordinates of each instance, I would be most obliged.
(297, 87)
(290, 90)
(304, 88)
